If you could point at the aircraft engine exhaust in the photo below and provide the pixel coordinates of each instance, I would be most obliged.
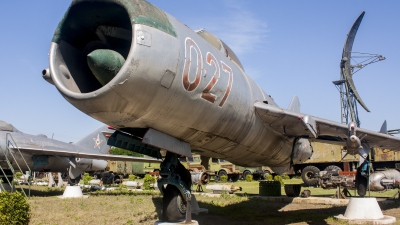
(382, 180)
(200, 178)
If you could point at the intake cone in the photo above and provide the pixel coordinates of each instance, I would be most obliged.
(105, 64)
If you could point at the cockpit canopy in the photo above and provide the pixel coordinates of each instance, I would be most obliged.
(220, 45)
(4, 126)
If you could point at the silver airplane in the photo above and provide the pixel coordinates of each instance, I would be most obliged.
(27, 152)
(157, 82)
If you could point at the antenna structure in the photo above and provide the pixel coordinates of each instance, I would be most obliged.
(348, 92)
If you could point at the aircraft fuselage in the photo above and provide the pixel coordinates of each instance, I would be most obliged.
(10, 142)
(172, 81)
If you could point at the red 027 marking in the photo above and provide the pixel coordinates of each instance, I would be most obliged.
(211, 60)
(190, 45)
(227, 69)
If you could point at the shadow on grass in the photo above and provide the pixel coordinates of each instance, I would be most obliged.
(258, 211)
(255, 211)
(159, 205)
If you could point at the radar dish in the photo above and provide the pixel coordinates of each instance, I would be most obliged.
(345, 65)
(348, 92)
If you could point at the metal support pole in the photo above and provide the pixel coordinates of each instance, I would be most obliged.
(188, 211)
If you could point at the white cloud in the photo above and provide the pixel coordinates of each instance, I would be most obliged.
(237, 27)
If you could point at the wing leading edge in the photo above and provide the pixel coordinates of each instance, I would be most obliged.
(65, 153)
(295, 124)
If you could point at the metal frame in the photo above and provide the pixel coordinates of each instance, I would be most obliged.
(10, 139)
(348, 93)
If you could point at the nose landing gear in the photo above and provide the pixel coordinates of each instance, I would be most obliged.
(175, 185)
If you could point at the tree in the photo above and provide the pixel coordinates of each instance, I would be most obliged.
(120, 151)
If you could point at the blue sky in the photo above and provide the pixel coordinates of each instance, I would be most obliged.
(288, 47)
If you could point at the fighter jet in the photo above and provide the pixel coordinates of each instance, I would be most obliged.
(27, 152)
(133, 66)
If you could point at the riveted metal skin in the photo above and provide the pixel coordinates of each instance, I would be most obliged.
(138, 96)
(180, 83)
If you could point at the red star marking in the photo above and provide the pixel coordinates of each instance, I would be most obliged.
(97, 141)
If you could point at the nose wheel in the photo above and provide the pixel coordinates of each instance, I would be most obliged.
(174, 205)
(175, 185)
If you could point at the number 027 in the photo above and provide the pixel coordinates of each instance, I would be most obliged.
(190, 46)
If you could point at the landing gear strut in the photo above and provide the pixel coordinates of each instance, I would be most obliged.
(175, 185)
(75, 181)
(362, 178)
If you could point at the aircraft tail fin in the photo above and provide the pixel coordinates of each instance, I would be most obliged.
(96, 140)
(294, 104)
(384, 128)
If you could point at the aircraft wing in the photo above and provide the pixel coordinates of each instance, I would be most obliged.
(65, 153)
(294, 124)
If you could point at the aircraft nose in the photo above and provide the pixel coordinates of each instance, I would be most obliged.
(105, 64)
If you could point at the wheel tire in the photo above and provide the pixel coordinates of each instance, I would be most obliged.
(216, 178)
(361, 184)
(117, 179)
(222, 173)
(235, 177)
(245, 173)
(308, 175)
(174, 208)
(333, 168)
(205, 178)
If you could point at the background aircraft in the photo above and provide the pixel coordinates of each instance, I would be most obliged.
(38, 153)
(162, 84)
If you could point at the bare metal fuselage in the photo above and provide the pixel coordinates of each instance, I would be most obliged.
(162, 86)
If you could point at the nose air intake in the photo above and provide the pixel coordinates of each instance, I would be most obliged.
(105, 64)
(90, 46)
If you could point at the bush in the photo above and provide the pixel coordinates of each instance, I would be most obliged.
(148, 180)
(18, 175)
(279, 178)
(131, 177)
(285, 177)
(87, 178)
(269, 177)
(249, 178)
(223, 179)
(14, 208)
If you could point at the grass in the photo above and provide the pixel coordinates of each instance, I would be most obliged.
(252, 188)
(122, 207)
(95, 210)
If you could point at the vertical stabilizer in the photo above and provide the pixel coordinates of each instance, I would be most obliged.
(294, 104)
(96, 140)
(384, 128)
